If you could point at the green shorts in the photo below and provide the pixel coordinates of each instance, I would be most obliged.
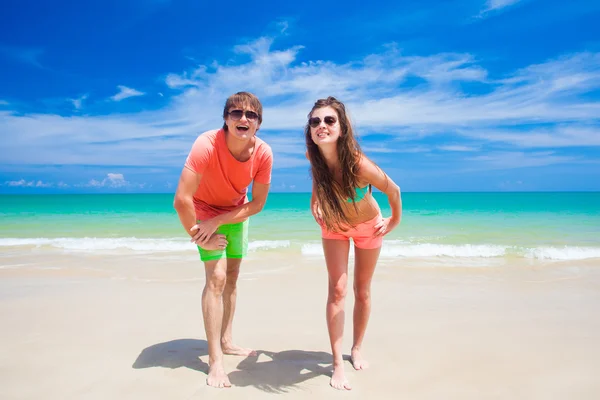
(237, 242)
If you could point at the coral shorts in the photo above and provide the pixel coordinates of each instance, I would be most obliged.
(362, 234)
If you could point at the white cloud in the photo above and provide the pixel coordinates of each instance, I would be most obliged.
(496, 5)
(377, 90)
(283, 26)
(540, 93)
(112, 180)
(458, 148)
(24, 183)
(510, 185)
(3, 102)
(125, 92)
(567, 135)
(518, 159)
(25, 55)
(78, 102)
(378, 149)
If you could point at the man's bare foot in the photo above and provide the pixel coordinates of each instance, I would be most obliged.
(216, 242)
(233, 350)
(357, 361)
(217, 377)
(338, 379)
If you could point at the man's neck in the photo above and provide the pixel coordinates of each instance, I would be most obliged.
(241, 150)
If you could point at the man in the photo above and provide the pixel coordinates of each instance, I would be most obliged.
(213, 208)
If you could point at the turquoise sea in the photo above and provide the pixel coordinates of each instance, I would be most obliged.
(457, 226)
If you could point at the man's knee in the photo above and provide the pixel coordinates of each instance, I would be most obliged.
(233, 272)
(231, 281)
(216, 281)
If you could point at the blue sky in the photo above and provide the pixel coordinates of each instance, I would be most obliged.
(470, 95)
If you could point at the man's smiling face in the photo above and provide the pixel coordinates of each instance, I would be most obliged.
(242, 122)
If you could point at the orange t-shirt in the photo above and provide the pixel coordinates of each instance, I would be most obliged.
(225, 180)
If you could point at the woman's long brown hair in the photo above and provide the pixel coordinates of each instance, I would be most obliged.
(332, 195)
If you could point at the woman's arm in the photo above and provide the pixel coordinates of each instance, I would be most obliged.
(314, 205)
(371, 173)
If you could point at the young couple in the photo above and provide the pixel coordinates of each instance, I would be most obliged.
(213, 208)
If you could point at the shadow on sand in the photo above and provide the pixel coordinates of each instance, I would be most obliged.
(270, 372)
(174, 354)
(281, 371)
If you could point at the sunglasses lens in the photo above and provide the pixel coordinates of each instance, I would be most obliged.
(329, 120)
(236, 114)
(314, 122)
(251, 116)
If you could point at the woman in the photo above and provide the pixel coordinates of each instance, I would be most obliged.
(342, 204)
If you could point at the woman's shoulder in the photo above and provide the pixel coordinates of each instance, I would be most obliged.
(367, 169)
(364, 163)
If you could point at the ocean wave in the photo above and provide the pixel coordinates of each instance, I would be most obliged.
(399, 249)
(563, 253)
(396, 248)
(146, 245)
(268, 244)
(391, 248)
(88, 244)
(444, 250)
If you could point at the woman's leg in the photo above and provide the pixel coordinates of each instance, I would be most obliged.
(364, 266)
(336, 258)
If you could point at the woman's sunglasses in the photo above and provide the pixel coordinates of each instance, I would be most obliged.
(316, 121)
(236, 115)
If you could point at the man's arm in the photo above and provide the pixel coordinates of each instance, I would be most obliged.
(260, 191)
(205, 229)
(184, 199)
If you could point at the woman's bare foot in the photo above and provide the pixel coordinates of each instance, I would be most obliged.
(338, 379)
(233, 350)
(217, 377)
(357, 361)
(216, 242)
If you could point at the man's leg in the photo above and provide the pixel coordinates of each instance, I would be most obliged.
(237, 248)
(212, 311)
(229, 301)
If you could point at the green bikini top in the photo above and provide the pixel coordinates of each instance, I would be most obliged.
(360, 194)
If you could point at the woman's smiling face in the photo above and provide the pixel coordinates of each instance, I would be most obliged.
(324, 126)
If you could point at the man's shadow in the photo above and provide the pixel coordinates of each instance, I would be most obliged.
(269, 371)
(174, 354)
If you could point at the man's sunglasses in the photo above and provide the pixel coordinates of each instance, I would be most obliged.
(236, 115)
(316, 121)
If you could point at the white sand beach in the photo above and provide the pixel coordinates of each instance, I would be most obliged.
(130, 327)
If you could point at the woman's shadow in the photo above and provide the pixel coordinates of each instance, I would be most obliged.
(269, 371)
(281, 371)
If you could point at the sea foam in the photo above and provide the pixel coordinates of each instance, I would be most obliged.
(391, 248)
